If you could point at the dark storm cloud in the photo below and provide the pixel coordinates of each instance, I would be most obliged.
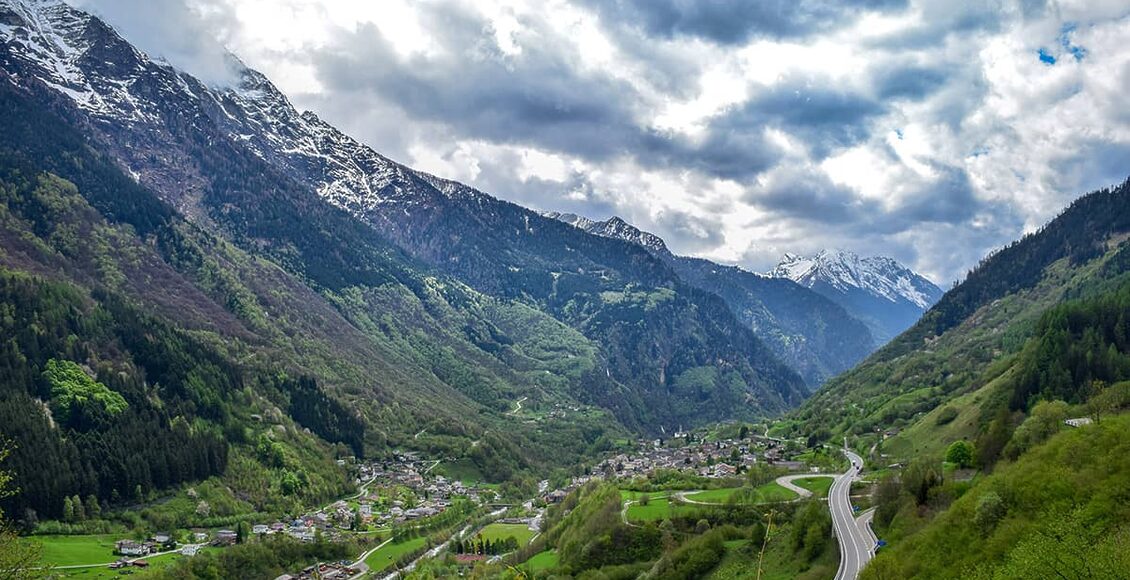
(734, 21)
(537, 98)
(946, 20)
(948, 198)
(1092, 165)
(689, 233)
(808, 194)
(824, 117)
(910, 82)
(170, 30)
(805, 194)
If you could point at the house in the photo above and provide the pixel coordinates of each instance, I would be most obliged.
(130, 548)
(162, 538)
(1077, 422)
(200, 536)
(226, 537)
(724, 470)
(278, 527)
(556, 496)
(190, 550)
(259, 529)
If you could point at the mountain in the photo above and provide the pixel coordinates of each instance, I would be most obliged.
(1037, 333)
(886, 295)
(423, 306)
(812, 334)
(964, 346)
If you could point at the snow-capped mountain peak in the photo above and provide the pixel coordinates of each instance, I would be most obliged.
(614, 227)
(844, 271)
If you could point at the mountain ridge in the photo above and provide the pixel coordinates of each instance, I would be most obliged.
(196, 146)
(811, 333)
(886, 295)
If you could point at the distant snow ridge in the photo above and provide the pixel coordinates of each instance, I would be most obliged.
(614, 227)
(845, 271)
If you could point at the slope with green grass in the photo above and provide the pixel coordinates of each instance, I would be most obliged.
(971, 337)
(1061, 510)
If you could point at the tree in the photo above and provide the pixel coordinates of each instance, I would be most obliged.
(702, 526)
(68, 510)
(886, 497)
(919, 478)
(645, 499)
(757, 535)
(19, 559)
(960, 453)
(743, 432)
(93, 508)
(990, 509)
(993, 440)
(242, 532)
(80, 511)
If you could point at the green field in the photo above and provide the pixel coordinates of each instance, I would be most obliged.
(817, 485)
(627, 494)
(104, 572)
(770, 492)
(542, 561)
(78, 550)
(521, 532)
(657, 509)
(388, 555)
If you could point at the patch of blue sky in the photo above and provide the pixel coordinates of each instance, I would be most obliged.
(1070, 47)
(1046, 57)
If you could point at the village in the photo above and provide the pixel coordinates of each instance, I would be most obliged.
(719, 458)
(402, 489)
(395, 492)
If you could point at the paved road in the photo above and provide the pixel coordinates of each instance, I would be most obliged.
(864, 523)
(855, 543)
(786, 481)
(517, 407)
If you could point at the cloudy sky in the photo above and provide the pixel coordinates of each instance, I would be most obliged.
(738, 130)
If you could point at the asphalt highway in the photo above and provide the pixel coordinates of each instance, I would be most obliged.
(856, 543)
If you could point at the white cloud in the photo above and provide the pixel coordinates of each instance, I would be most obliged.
(932, 133)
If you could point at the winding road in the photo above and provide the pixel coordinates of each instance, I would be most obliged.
(786, 481)
(517, 407)
(855, 537)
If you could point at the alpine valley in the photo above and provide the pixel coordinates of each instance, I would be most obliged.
(236, 342)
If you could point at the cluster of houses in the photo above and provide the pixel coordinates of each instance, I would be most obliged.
(324, 571)
(159, 542)
(709, 459)
(716, 459)
(431, 494)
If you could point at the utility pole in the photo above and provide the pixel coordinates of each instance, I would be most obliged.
(764, 541)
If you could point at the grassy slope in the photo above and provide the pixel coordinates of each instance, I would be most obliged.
(780, 562)
(496, 531)
(951, 351)
(389, 554)
(410, 350)
(542, 561)
(819, 486)
(770, 492)
(959, 369)
(1066, 500)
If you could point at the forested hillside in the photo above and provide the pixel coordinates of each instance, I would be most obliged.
(1045, 337)
(1079, 253)
(365, 233)
(126, 325)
